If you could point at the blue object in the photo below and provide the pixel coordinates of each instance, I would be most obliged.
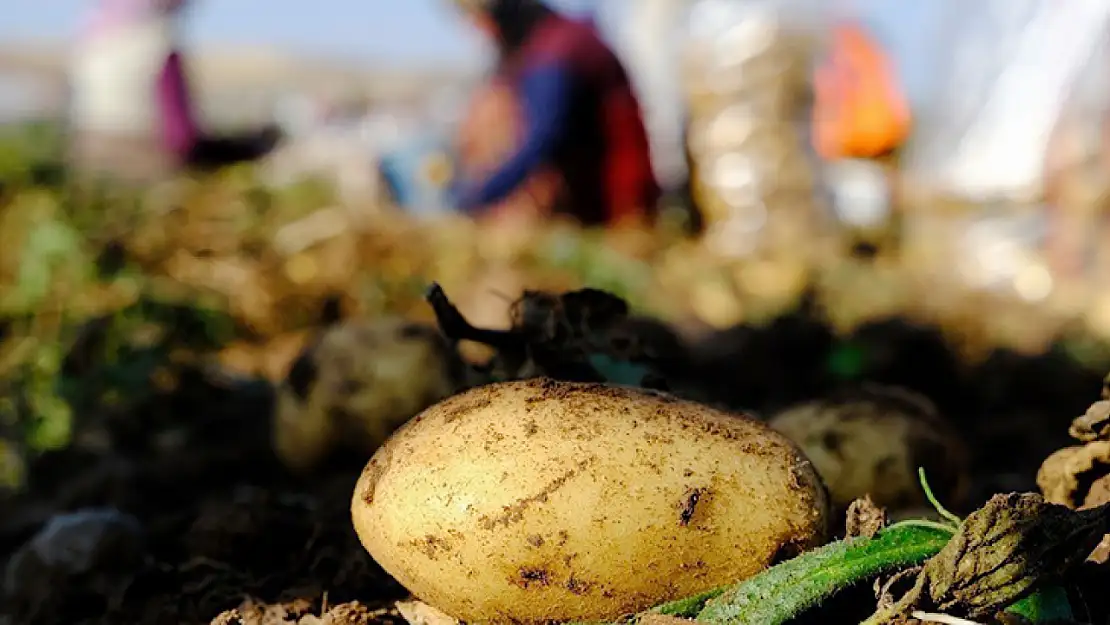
(619, 371)
(406, 169)
(545, 96)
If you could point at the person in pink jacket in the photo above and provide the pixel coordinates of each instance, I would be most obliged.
(132, 111)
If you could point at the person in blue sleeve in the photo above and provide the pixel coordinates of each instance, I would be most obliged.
(581, 117)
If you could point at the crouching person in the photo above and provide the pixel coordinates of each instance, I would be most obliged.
(132, 116)
(579, 118)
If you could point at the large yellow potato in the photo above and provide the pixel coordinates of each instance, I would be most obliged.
(539, 500)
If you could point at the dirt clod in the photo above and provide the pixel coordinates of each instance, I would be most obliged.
(865, 518)
(252, 612)
(1094, 425)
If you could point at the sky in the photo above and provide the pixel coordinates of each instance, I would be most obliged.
(420, 31)
(404, 31)
(397, 31)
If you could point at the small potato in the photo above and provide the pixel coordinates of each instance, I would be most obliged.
(543, 501)
(356, 384)
(870, 442)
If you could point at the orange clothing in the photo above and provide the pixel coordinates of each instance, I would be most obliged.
(859, 109)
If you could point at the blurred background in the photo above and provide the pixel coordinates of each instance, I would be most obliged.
(376, 35)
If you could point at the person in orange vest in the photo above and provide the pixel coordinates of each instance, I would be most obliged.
(860, 110)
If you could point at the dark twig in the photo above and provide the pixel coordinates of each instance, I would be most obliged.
(456, 328)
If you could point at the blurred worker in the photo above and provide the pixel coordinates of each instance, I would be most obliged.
(579, 115)
(649, 31)
(860, 110)
(132, 112)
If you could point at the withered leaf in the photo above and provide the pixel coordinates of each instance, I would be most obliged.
(420, 613)
(1094, 425)
(590, 310)
(1101, 554)
(865, 518)
(553, 335)
(1077, 477)
(1001, 552)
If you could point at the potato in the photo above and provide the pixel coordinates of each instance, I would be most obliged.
(357, 383)
(544, 501)
(871, 441)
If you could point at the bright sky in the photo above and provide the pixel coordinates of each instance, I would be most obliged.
(409, 31)
(402, 30)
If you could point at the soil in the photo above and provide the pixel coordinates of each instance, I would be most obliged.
(232, 537)
(226, 526)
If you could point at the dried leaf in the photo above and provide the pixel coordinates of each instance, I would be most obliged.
(1077, 477)
(883, 586)
(1001, 552)
(575, 336)
(1101, 554)
(1094, 425)
(865, 518)
(420, 613)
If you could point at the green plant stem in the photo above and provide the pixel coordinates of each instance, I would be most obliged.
(936, 525)
(690, 606)
(941, 510)
(792, 587)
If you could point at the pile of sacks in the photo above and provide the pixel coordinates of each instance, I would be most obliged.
(745, 84)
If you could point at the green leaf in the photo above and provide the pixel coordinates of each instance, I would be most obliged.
(1047, 605)
(846, 361)
(51, 429)
(52, 246)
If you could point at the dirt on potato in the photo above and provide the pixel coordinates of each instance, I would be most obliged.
(569, 484)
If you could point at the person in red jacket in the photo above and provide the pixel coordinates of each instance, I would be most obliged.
(581, 117)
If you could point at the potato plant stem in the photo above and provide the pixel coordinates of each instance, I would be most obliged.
(794, 586)
(689, 607)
